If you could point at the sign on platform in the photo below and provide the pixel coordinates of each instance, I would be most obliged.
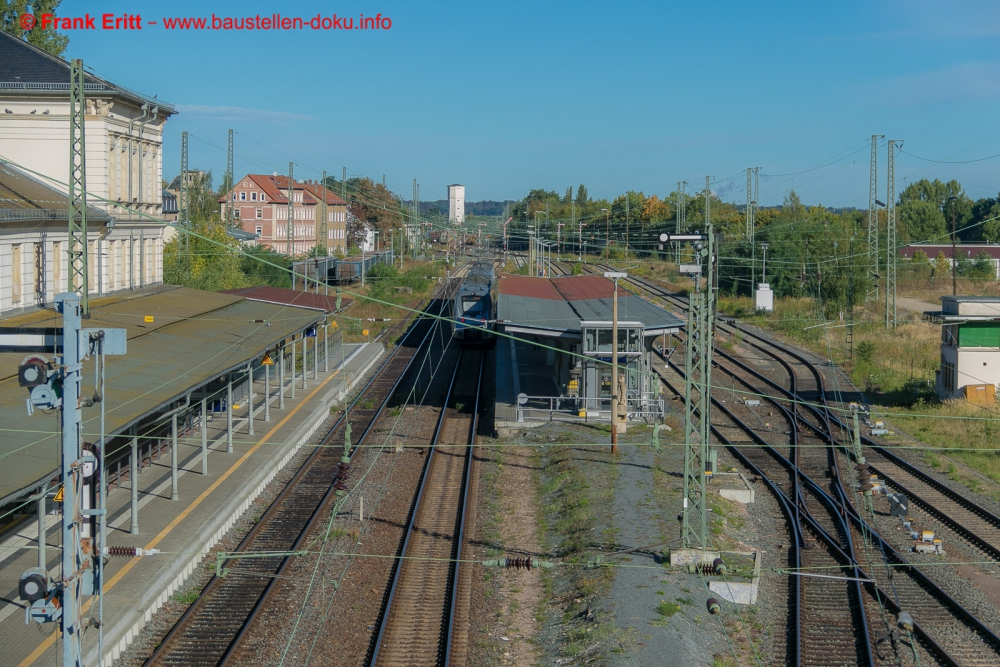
(267, 360)
(148, 319)
(689, 268)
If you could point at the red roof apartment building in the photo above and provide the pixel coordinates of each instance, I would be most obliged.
(260, 206)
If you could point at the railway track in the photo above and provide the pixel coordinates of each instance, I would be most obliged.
(946, 633)
(213, 625)
(425, 619)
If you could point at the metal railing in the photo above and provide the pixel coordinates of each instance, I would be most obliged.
(640, 405)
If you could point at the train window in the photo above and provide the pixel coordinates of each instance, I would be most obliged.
(472, 306)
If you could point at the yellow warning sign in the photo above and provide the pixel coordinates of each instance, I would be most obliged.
(59, 495)
(267, 360)
(147, 318)
(364, 332)
(334, 325)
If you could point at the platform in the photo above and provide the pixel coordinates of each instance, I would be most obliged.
(185, 529)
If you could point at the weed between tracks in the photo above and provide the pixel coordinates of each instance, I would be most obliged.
(577, 486)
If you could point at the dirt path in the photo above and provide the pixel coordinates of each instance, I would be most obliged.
(916, 305)
(520, 591)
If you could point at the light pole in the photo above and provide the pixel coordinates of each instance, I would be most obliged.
(616, 398)
(607, 232)
(954, 251)
(763, 275)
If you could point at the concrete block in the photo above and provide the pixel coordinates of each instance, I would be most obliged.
(736, 592)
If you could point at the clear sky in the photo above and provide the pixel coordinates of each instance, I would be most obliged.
(508, 96)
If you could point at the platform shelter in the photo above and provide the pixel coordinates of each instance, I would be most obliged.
(558, 352)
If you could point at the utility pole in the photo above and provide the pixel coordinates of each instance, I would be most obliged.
(891, 252)
(628, 196)
(697, 411)
(751, 216)
(681, 216)
(873, 220)
(708, 199)
(324, 219)
(184, 207)
(343, 184)
(290, 227)
(78, 274)
(230, 175)
(849, 337)
(954, 249)
(619, 400)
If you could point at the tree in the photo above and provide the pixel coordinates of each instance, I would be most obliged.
(47, 39)
(582, 198)
(922, 220)
(941, 264)
(937, 192)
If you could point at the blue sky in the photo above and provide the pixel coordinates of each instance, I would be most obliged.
(504, 97)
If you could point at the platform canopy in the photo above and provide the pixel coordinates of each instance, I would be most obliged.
(556, 307)
(179, 339)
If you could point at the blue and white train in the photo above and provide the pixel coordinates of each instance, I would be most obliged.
(474, 306)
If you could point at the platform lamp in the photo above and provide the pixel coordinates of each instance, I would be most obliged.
(616, 400)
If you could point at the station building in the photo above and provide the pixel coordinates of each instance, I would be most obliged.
(970, 347)
(556, 361)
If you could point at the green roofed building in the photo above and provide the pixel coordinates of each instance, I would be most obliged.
(970, 347)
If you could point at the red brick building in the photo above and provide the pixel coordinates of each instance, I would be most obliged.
(260, 205)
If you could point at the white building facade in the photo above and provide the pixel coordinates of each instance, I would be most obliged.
(123, 133)
(34, 240)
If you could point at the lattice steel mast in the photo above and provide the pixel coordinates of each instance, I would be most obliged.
(230, 175)
(751, 216)
(873, 220)
(78, 274)
(697, 410)
(891, 252)
(324, 218)
(184, 208)
(290, 227)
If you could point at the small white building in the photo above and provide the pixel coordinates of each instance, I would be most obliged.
(970, 347)
(456, 203)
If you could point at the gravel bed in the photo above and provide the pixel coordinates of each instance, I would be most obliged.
(325, 610)
(163, 620)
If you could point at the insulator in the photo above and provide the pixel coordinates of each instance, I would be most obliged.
(344, 466)
(128, 552)
(719, 566)
(339, 486)
(905, 621)
(713, 606)
(517, 563)
(341, 475)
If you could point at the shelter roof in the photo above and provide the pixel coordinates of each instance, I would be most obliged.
(288, 297)
(195, 337)
(557, 306)
(24, 197)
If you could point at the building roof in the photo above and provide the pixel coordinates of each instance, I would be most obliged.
(24, 197)
(278, 295)
(28, 70)
(275, 187)
(970, 250)
(557, 306)
(195, 338)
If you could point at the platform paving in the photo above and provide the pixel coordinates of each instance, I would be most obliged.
(185, 529)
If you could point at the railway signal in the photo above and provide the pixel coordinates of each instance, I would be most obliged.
(57, 386)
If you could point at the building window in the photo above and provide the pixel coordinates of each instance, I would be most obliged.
(260, 230)
(243, 196)
(15, 274)
(260, 213)
(236, 213)
(262, 196)
(253, 196)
